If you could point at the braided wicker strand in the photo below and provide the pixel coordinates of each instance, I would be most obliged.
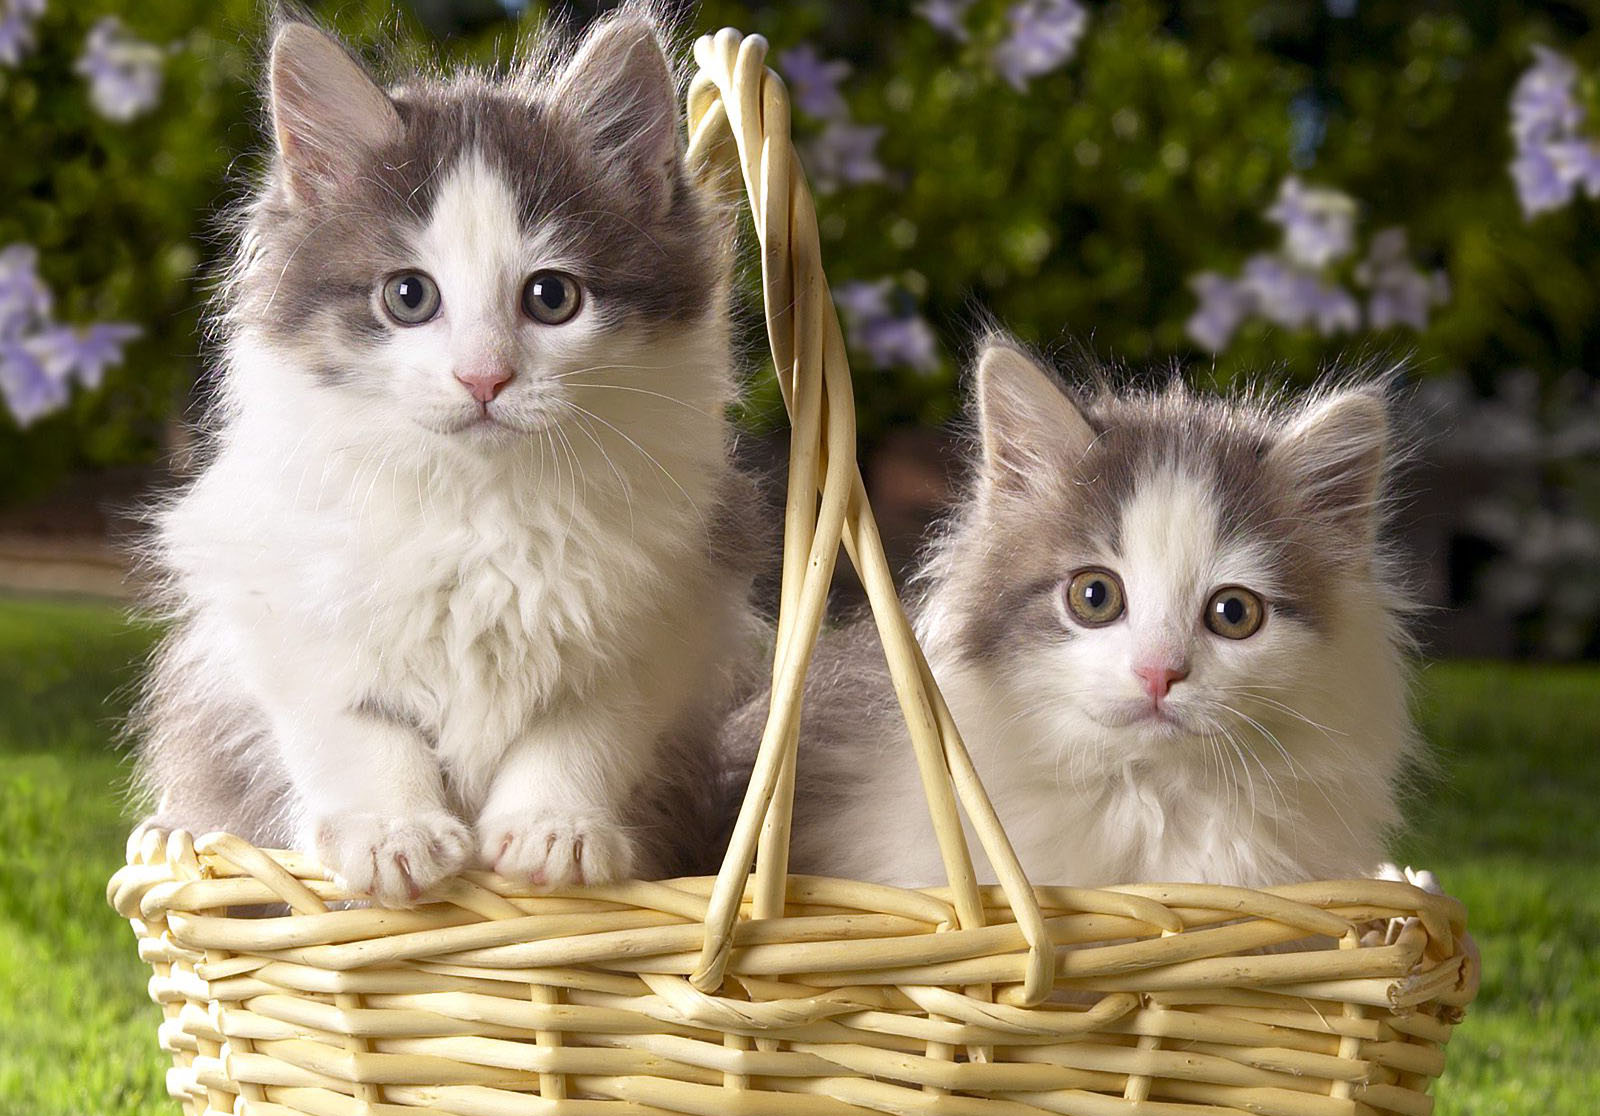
(769, 994)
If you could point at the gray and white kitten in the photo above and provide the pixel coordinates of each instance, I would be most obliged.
(454, 584)
(1167, 631)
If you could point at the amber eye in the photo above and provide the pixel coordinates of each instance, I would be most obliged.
(1094, 597)
(410, 297)
(551, 297)
(1233, 612)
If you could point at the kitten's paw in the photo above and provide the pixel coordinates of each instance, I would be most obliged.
(1416, 877)
(1388, 932)
(549, 850)
(392, 859)
(149, 837)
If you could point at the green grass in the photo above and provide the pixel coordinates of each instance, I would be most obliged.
(76, 1028)
(1510, 824)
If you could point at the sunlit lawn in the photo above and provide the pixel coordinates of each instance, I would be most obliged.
(1511, 827)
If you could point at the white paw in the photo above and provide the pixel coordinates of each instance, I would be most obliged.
(1389, 932)
(549, 850)
(392, 859)
(1416, 877)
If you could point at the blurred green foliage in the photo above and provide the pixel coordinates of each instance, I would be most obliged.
(1077, 209)
(118, 213)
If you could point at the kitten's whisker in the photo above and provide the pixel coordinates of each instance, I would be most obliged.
(623, 486)
(391, 191)
(638, 228)
(1329, 733)
(415, 190)
(650, 457)
(1266, 734)
(645, 391)
(1304, 777)
(573, 469)
(1235, 782)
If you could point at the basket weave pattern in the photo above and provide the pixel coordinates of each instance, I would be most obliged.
(764, 994)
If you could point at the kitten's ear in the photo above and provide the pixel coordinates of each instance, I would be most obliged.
(620, 91)
(328, 114)
(1027, 422)
(1333, 457)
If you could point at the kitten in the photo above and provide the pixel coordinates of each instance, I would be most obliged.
(456, 583)
(1167, 631)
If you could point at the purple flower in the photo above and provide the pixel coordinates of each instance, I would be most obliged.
(28, 387)
(1318, 224)
(17, 18)
(1544, 104)
(949, 17)
(815, 82)
(845, 153)
(889, 338)
(1044, 36)
(1577, 163)
(1224, 305)
(24, 299)
(1333, 309)
(39, 359)
(1290, 287)
(899, 342)
(1295, 298)
(859, 299)
(1401, 293)
(1273, 288)
(124, 73)
(1540, 186)
(1554, 158)
(83, 354)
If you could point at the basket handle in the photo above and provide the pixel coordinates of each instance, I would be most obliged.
(739, 118)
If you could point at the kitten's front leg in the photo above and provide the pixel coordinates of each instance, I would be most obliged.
(372, 805)
(553, 813)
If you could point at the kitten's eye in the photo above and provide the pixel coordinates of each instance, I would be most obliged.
(410, 297)
(1094, 596)
(551, 297)
(1233, 612)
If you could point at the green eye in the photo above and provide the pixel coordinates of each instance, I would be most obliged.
(1234, 612)
(551, 297)
(410, 297)
(1094, 597)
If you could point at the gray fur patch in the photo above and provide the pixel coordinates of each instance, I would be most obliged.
(205, 764)
(848, 705)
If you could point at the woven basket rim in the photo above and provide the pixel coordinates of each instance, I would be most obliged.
(1155, 925)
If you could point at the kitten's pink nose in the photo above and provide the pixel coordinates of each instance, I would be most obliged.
(485, 380)
(1158, 678)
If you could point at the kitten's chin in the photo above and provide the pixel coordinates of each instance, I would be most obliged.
(483, 427)
(1140, 721)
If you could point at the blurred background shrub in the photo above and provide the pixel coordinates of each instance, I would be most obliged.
(1253, 189)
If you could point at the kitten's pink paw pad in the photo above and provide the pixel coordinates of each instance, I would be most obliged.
(548, 851)
(392, 859)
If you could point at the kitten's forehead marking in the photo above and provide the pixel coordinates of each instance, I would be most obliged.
(1178, 544)
(474, 241)
(1168, 535)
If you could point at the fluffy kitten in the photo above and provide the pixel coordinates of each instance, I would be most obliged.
(452, 583)
(1167, 631)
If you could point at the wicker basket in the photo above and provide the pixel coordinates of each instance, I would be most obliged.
(774, 995)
